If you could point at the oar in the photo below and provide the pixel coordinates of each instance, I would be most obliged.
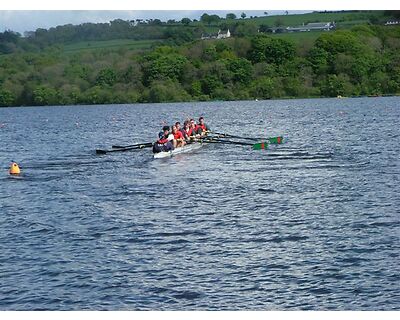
(133, 145)
(272, 140)
(240, 143)
(256, 146)
(100, 151)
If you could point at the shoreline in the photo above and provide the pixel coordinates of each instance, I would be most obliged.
(208, 101)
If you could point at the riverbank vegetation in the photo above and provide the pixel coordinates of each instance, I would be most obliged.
(166, 62)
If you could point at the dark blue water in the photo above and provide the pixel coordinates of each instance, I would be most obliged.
(313, 224)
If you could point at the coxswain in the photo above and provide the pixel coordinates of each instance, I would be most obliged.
(179, 140)
(165, 141)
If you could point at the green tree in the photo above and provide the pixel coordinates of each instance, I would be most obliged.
(272, 50)
(205, 18)
(339, 42)
(179, 35)
(6, 98)
(221, 46)
(336, 85)
(257, 50)
(278, 51)
(106, 77)
(214, 19)
(209, 53)
(263, 88)
(241, 47)
(210, 83)
(243, 29)
(264, 28)
(195, 88)
(318, 58)
(243, 15)
(96, 95)
(167, 91)
(69, 94)
(44, 95)
(164, 67)
(231, 16)
(241, 70)
(186, 21)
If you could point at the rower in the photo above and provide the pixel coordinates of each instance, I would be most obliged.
(188, 130)
(203, 126)
(164, 142)
(196, 130)
(179, 140)
(179, 128)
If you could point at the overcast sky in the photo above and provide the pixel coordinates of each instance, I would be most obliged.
(22, 20)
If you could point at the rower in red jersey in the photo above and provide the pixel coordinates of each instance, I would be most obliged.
(179, 127)
(188, 130)
(203, 126)
(179, 140)
(196, 130)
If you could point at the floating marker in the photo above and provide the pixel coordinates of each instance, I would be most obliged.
(14, 169)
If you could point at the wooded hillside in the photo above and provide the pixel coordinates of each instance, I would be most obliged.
(170, 63)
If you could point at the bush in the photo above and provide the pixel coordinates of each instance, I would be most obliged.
(167, 91)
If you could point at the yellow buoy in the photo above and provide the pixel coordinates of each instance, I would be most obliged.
(14, 169)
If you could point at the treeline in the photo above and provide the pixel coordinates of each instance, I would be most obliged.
(12, 42)
(362, 61)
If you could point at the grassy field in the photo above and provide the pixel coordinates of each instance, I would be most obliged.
(344, 20)
(298, 19)
(348, 19)
(110, 44)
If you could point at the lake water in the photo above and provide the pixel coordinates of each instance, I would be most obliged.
(312, 224)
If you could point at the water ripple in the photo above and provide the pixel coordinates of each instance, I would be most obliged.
(312, 224)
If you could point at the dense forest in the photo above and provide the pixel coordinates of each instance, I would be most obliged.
(363, 59)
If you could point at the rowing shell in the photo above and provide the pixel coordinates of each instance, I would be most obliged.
(184, 149)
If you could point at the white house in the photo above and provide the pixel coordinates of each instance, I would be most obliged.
(223, 35)
(219, 35)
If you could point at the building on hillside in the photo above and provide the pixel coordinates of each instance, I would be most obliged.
(223, 35)
(219, 35)
(316, 26)
(273, 30)
(391, 23)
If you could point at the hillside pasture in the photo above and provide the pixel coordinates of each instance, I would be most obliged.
(110, 44)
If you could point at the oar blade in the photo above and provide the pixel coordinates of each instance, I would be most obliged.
(99, 151)
(275, 140)
(260, 146)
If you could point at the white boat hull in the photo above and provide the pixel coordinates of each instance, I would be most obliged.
(184, 149)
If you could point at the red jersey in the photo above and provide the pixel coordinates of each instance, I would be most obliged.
(162, 141)
(178, 135)
(189, 131)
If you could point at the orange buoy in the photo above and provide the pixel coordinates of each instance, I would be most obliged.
(14, 169)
